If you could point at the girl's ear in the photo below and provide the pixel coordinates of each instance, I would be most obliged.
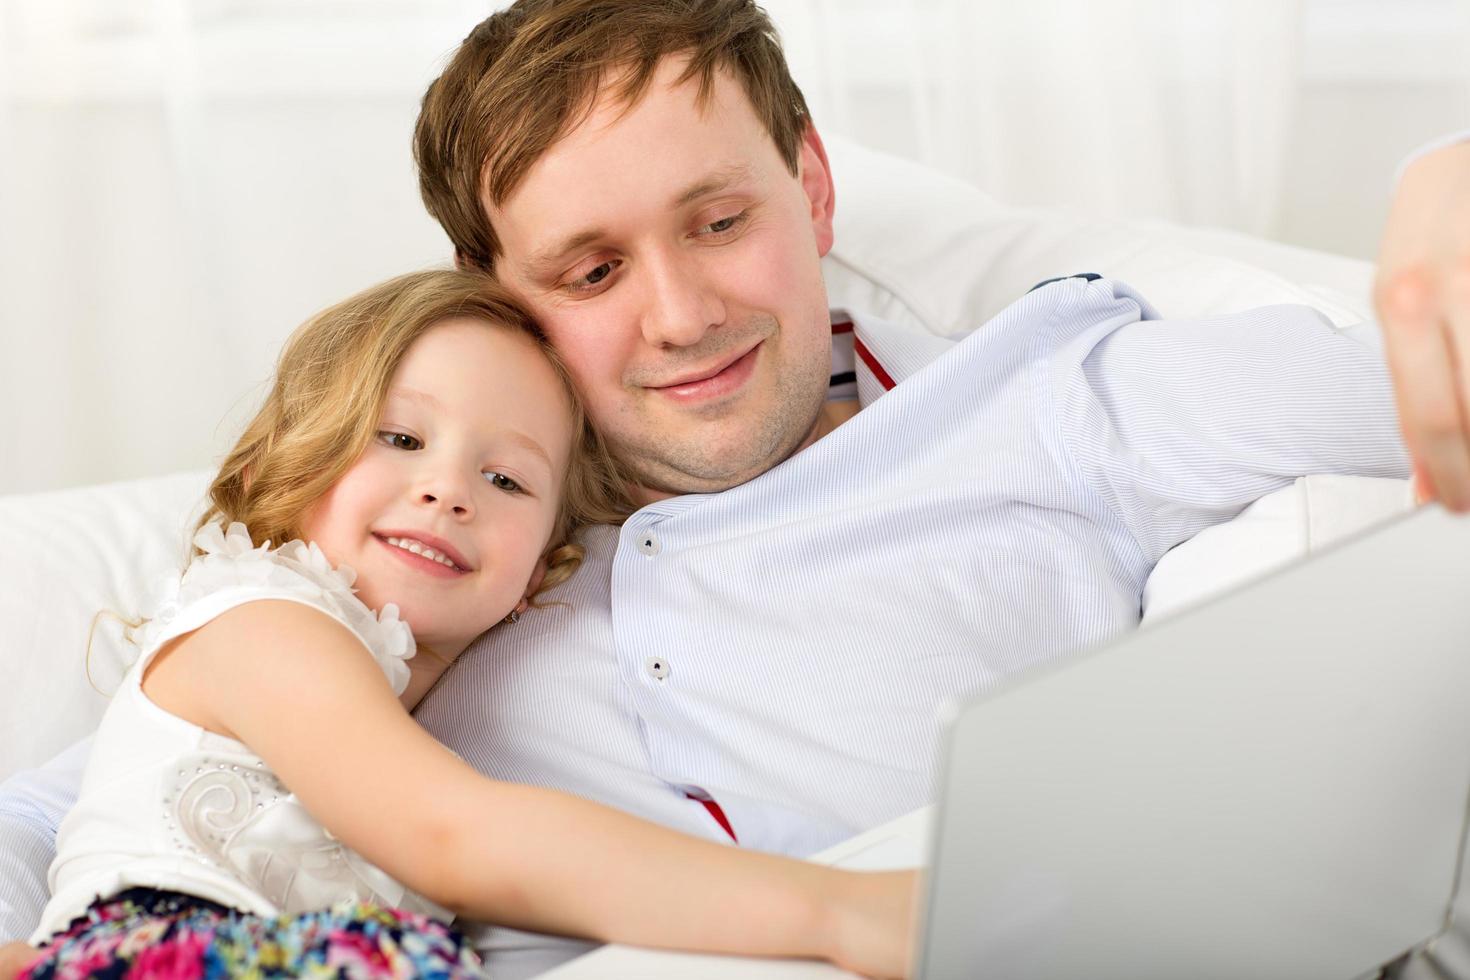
(537, 575)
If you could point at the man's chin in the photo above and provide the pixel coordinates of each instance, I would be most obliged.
(709, 465)
(650, 489)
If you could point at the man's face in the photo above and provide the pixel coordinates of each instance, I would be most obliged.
(673, 260)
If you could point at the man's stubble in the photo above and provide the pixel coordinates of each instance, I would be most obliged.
(708, 450)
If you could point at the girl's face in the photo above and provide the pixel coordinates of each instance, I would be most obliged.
(467, 469)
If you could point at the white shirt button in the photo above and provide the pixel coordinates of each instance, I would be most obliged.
(648, 543)
(658, 667)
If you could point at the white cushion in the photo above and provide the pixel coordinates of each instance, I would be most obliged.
(917, 247)
(912, 246)
(64, 557)
(1311, 514)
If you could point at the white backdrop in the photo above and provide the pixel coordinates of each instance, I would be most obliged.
(183, 181)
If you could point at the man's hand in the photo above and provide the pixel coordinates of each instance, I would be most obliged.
(1422, 295)
(15, 957)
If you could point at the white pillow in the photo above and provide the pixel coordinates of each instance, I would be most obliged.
(1309, 515)
(65, 556)
(917, 247)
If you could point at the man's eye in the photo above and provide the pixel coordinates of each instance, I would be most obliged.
(724, 224)
(592, 279)
(401, 440)
(502, 482)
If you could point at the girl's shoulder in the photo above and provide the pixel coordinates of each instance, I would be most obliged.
(230, 570)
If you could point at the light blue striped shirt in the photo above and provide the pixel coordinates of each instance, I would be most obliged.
(783, 647)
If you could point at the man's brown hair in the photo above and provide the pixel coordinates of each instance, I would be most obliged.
(528, 75)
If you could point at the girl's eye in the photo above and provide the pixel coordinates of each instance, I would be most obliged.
(401, 440)
(502, 482)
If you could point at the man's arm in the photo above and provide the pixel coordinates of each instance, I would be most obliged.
(32, 803)
(1179, 425)
(1422, 295)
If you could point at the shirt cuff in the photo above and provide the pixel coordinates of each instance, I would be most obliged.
(1461, 137)
(24, 865)
(33, 803)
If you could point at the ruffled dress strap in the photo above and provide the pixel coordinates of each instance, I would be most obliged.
(231, 571)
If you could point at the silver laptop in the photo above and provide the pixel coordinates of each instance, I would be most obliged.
(1273, 785)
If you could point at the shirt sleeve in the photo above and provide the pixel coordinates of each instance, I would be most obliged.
(32, 804)
(1179, 425)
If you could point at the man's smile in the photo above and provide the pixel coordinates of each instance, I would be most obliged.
(716, 382)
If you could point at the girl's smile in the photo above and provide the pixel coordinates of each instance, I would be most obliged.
(449, 510)
(416, 544)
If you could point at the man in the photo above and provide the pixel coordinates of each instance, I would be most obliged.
(759, 653)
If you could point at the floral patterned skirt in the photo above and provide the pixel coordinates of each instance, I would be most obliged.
(146, 933)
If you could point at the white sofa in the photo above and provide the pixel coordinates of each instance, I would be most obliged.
(912, 246)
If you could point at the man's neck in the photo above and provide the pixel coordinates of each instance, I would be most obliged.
(425, 668)
(831, 415)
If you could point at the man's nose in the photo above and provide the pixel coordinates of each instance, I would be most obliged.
(682, 303)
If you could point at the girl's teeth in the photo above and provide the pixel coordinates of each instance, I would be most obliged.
(408, 544)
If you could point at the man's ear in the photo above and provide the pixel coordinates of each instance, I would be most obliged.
(815, 174)
(464, 263)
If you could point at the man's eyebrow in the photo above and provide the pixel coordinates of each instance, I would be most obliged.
(545, 261)
(720, 180)
(547, 258)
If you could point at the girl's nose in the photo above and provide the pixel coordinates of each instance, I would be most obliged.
(451, 496)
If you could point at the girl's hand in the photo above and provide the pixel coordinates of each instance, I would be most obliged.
(871, 923)
(15, 957)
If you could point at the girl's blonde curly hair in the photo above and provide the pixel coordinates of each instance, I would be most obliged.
(327, 400)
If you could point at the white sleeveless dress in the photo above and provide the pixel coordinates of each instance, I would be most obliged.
(166, 804)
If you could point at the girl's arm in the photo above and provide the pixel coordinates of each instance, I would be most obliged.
(299, 690)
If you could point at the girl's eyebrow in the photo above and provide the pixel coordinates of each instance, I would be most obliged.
(512, 435)
(528, 444)
(414, 395)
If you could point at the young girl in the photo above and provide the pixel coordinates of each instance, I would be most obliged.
(259, 800)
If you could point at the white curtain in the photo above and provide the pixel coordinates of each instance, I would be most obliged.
(1281, 118)
(1177, 110)
(183, 181)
